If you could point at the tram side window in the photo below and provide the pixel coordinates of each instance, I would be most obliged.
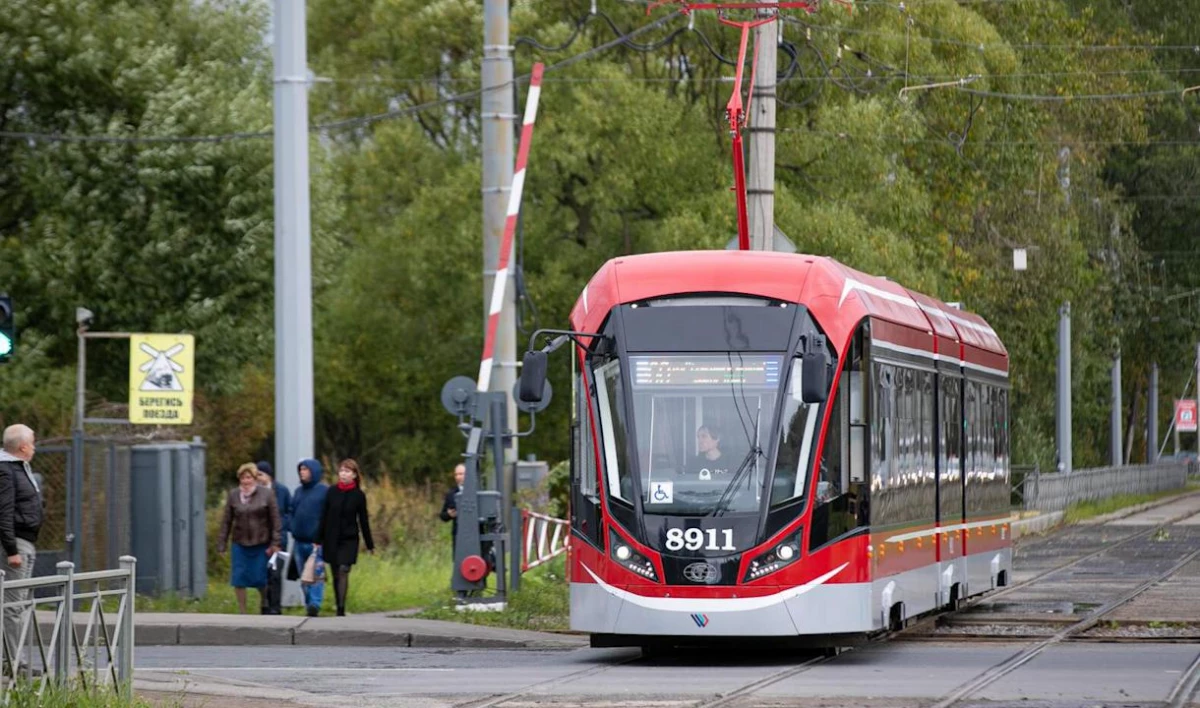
(610, 397)
(585, 500)
(841, 495)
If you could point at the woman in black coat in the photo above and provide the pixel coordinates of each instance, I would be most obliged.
(344, 516)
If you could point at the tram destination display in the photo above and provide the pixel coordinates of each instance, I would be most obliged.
(744, 370)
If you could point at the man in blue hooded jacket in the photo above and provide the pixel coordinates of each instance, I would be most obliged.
(308, 503)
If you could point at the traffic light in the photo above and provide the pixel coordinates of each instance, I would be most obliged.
(8, 329)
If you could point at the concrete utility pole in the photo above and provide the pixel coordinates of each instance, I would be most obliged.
(498, 117)
(760, 183)
(1152, 416)
(293, 259)
(1063, 407)
(1117, 426)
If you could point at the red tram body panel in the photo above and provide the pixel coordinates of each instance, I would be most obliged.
(714, 495)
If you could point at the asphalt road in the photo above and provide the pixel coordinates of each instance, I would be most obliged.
(895, 674)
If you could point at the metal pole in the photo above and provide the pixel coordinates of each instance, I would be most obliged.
(66, 634)
(1117, 428)
(1064, 389)
(126, 640)
(760, 183)
(75, 474)
(498, 119)
(293, 259)
(1152, 416)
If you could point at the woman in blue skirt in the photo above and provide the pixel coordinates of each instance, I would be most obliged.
(252, 521)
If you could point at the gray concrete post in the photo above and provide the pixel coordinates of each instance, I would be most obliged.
(1152, 416)
(1063, 407)
(1117, 426)
(760, 180)
(498, 117)
(293, 258)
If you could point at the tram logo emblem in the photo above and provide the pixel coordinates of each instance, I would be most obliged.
(700, 620)
(701, 573)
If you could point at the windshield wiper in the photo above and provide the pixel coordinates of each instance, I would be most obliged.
(727, 497)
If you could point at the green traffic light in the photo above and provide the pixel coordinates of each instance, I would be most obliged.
(6, 345)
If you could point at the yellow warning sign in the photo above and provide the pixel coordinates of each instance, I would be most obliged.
(161, 378)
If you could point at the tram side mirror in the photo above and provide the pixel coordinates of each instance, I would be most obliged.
(533, 376)
(814, 373)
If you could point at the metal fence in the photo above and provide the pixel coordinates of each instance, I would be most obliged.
(1057, 491)
(91, 528)
(48, 649)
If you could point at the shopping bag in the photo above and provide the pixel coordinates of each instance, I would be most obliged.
(309, 574)
(319, 565)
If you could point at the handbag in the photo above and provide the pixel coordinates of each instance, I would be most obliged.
(309, 575)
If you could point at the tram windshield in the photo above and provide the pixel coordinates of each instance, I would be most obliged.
(703, 424)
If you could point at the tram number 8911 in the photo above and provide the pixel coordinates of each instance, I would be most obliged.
(694, 539)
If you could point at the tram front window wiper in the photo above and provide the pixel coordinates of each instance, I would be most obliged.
(730, 491)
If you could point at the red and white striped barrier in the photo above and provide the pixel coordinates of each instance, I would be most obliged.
(510, 227)
(544, 538)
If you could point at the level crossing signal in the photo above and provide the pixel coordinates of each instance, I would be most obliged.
(8, 330)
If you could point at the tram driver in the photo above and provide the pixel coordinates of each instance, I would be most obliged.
(710, 461)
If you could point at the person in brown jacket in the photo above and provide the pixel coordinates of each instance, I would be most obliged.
(252, 520)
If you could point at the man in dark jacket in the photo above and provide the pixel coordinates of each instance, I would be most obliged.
(273, 597)
(306, 509)
(450, 504)
(20, 520)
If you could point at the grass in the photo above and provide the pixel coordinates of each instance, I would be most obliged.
(410, 569)
(542, 603)
(25, 695)
(1086, 510)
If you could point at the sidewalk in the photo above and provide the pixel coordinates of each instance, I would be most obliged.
(382, 629)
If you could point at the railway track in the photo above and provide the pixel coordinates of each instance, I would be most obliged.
(1040, 633)
(1059, 629)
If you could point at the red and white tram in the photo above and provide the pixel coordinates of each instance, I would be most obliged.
(771, 445)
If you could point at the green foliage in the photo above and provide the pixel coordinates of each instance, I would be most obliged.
(630, 156)
(25, 694)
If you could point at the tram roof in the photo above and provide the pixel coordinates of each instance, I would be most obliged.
(839, 296)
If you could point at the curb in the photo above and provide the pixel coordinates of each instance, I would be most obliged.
(1035, 525)
(189, 635)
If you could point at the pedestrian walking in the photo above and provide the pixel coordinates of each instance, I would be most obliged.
(273, 598)
(252, 521)
(449, 510)
(21, 514)
(308, 504)
(344, 518)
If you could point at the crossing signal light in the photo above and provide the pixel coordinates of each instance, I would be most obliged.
(8, 330)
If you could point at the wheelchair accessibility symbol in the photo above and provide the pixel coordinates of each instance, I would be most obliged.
(662, 493)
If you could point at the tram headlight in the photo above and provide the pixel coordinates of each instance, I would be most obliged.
(778, 557)
(630, 558)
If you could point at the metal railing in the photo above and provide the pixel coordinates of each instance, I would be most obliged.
(103, 656)
(1057, 491)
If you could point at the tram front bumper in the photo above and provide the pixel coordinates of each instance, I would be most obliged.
(819, 609)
